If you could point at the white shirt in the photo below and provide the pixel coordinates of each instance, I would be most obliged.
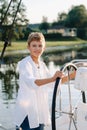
(32, 100)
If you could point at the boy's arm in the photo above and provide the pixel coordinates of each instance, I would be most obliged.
(66, 78)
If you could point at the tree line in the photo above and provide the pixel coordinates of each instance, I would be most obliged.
(75, 18)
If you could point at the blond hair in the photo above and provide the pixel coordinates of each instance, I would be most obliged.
(35, 36)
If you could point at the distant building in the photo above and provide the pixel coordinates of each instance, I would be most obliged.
(63, 30)
(70, 32)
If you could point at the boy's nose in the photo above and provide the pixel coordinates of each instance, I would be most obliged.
(37, 47)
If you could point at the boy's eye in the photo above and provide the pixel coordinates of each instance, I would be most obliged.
(40, 45)
(37, 46)
(34, 45)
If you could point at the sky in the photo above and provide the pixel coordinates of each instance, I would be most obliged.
(36, 9)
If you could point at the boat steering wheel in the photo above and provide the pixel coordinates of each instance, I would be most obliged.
(57, 106)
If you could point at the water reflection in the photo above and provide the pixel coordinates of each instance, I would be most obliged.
(8, 94)
(9, 84)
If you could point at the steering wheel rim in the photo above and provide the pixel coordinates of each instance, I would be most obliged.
(66, 66)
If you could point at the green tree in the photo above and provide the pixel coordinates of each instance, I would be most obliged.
(3, 8)
(44, 25)
(13, 30)
(77, 17)
(61, 18)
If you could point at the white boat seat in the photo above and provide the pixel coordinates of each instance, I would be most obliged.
(81, 79)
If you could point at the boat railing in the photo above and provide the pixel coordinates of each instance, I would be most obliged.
(80, 62)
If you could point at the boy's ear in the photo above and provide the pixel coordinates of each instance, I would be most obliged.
(44, 47)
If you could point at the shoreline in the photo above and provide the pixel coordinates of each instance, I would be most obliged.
(48, 49)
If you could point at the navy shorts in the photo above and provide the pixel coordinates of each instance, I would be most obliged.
(25, 126)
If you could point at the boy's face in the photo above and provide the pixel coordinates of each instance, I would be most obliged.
(36, 48)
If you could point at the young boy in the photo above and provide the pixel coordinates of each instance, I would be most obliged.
(32, 108)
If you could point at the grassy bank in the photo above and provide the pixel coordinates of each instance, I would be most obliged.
(23, 44)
